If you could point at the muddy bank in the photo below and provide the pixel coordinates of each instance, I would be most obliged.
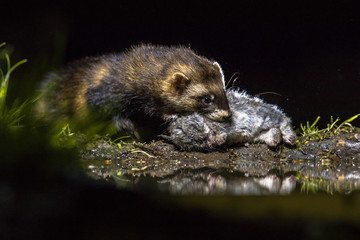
(332, 166)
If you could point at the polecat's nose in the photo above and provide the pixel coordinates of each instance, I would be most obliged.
(223, 115)
(220, 115)
(227, 115)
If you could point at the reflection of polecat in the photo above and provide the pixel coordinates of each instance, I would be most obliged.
(252, 120)
(142, 85)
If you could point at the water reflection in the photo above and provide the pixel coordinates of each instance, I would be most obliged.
(201, 176)
(342, 184)
(206, 181)
(209, 181)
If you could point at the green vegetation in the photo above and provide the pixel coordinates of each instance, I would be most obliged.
(5, 78)
(119, 141)
(313, 133)
(27, 147)
(9, 117)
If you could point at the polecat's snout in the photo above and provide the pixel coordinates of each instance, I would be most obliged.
(220, 115)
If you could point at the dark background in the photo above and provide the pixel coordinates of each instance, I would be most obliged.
(306, 51)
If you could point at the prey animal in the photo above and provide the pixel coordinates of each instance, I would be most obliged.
(252, 120)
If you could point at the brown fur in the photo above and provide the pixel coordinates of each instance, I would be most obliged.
(146, 83)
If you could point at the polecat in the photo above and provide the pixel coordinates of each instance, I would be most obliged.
(143, 85)
(252, 120)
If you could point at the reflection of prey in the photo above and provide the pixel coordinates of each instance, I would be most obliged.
(213, 182)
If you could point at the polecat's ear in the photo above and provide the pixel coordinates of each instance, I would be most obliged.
(179, 82)
(216, 64)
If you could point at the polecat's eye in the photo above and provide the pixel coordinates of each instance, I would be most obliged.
(207, 100)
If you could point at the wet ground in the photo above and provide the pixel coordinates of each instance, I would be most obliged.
(331, 166)
(132, 190)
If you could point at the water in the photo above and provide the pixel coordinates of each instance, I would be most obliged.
(219, 173)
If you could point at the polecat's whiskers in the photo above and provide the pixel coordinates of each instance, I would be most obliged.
(233, 80)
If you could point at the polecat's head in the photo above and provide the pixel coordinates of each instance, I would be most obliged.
(199, 87)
